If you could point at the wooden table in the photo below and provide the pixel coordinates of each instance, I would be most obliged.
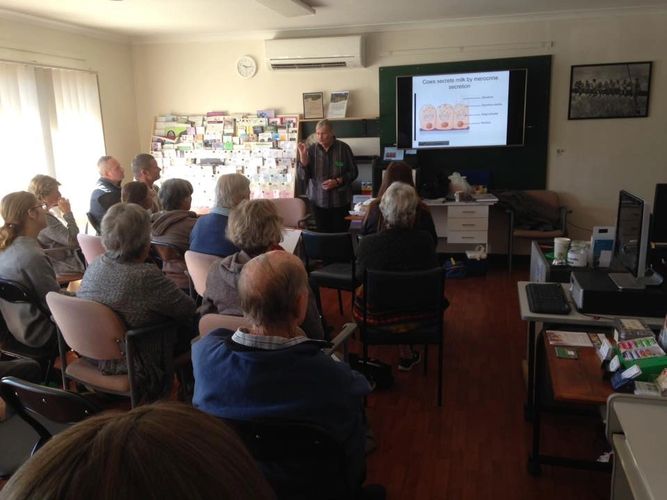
(576, 381)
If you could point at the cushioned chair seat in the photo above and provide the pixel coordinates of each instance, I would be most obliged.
(336, 275)
(82, 369)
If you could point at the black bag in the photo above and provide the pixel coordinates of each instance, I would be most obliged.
(377, 372)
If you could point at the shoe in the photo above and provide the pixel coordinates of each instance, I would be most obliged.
(406, 364)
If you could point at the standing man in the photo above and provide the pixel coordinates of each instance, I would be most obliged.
(107, 189)
(329, 168)
(145, 169)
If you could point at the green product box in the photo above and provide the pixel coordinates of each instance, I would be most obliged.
(651, 367)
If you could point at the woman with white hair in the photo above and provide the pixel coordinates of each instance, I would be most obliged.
(256, 228)
(208, 234)
(122, 280)
(398, 247)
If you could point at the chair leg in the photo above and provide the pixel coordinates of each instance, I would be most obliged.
(440, 360)
(340, 302)
(365, 369)
(425, 358)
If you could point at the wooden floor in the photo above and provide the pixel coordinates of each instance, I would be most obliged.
(476, 445)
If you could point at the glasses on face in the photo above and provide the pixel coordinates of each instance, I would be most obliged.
(43, 206)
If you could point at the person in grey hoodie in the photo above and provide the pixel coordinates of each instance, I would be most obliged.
(172, 226)
(255, 227)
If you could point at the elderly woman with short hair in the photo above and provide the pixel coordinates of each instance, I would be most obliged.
(121, 279)
(255, 227)
(172, 226)
(399, 247)
(208, 234)
(59, 237)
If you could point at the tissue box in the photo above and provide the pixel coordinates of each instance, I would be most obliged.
(602, 246)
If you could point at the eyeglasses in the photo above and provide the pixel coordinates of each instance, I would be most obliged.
(43, 206)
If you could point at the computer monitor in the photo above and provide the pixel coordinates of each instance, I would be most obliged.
(631, 243)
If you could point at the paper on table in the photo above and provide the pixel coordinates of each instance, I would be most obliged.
(574, 339)
(290, 239)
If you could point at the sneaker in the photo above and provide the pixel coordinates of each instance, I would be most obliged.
(406, 364)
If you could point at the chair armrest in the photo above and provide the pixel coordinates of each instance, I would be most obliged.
(342, 337)
(302, 223)
(564, 211)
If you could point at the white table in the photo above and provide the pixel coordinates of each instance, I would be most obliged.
(459, 224)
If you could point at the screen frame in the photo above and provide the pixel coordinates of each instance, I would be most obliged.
(638, 269)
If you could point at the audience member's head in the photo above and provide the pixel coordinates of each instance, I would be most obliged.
(136, 192)
(145, 169)
(231, 190)
(273, 291)
(43, 187)
(399, 205)
(126, 232)
(23, 215)
(167, 451)
(254, 226)
(397, 171)
(176, 194)
(110, 169)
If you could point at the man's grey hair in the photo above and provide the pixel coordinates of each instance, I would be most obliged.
(231, 190)
(324, 123)
(269, 288)
(173, 192)
(399, 205)
(140, 163)
(102, 166)
(126, 231)
(254, 226)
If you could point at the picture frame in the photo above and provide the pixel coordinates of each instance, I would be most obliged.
(313, 105)
(338, 104)
(610, 90)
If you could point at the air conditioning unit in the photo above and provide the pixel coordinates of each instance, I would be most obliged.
(314, 53)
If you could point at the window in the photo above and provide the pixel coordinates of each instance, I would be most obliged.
(51, 124)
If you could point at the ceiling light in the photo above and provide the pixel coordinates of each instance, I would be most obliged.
(288, 8)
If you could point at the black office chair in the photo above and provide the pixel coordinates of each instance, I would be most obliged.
(336, 253)
(94, 223)
(29, 400)
(16, 293)
(413, 300)
(299, 460)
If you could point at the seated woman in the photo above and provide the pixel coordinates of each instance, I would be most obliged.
(136, 192)
(255, 227)
(23, 260)
(399, 247)
(59, 235)
(374, 221)
(137, 291)
(172, 226)
(208, 235)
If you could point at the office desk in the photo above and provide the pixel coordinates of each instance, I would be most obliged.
(573, 318)
(635, 427)
(459, 224)
(575, 381)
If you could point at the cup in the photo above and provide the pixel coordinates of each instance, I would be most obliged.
(457, 196)
(560, 250)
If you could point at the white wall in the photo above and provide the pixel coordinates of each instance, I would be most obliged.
(34, 43)
(600, 156)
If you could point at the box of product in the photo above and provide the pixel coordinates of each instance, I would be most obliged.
(645, 353)
(602, 246)
(476, 262)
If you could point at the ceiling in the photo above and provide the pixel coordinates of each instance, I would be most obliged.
(153, 20)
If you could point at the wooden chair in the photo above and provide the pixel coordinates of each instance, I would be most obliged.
(172, 262)
(15, 293)
(198, 265)
(412, 298)
(292, 211)
(336, 252)
(91, 246)
(56, 405)
(549, 203)
(95, 332)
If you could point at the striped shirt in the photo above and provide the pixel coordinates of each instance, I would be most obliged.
(338, 161)
(266, 342)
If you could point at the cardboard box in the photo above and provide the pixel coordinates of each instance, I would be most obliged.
(602, 246)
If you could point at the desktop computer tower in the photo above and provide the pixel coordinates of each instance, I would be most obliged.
(659, 229)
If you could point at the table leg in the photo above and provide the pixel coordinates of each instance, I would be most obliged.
(529, 405)
(534, 468)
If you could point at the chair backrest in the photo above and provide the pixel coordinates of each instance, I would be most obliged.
(210, 322)
(91, 246)
(93, 222)
(198, 265)
(300, 460)
(292, 211)
(90, 328)
(329, 247)
(405, 292)
(15, 292)
(56, 405)
(545, 197)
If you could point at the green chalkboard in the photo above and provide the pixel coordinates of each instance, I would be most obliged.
(514, 167)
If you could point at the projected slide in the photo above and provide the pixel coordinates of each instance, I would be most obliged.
(458, 110)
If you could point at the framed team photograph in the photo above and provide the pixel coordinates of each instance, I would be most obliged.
(616, 90)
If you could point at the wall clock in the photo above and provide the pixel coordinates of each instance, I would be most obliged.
(246, 67)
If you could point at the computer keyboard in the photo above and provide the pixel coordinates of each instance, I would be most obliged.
(547, 298)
